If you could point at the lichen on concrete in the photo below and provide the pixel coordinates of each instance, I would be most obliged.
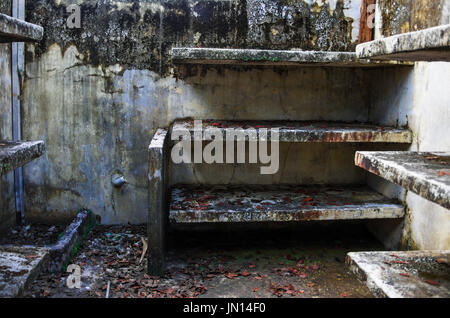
(19, 266)
(304, 131)
(431, 44)
(15, 30)
(427, 174)
(14, 154)
(140, 34)
(280, 203)
(410, 274)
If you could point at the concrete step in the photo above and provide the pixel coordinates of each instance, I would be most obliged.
(19, 266)
(424, 173)
(406, 274)
(14, 154)
(431, 44)
(302, 131)
(260, 203)
(188, 55)
(15, 30)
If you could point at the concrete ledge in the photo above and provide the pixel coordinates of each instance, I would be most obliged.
(19, 266)
(431, 44)
(281, 203)
(15, 30)
(14, 154)
(410, 274)
(295, 131)
(158, 206)
(268, 57)
(66, 247)
(427, 174)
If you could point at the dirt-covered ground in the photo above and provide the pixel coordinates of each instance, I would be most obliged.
(295, 262)
(33, 234)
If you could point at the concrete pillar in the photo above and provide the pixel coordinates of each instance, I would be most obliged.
(158, 203)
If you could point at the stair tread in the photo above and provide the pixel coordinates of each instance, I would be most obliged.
(432, 44)
(189, 55)
(307, 131)
(14, 154)
(403, 274)
(16, 30)
(256, 203)
(425, 173)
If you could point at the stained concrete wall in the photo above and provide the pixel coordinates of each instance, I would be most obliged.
(97, 94)
(419, 98)
(7, 200)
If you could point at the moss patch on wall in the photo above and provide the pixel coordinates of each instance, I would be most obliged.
(139, 34)
(401, 16)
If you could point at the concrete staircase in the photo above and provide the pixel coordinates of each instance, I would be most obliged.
(219, 203)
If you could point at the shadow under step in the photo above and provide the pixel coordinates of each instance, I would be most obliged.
(282, 203)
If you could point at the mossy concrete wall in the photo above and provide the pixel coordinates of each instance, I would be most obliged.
(7, 197)
(97, 94)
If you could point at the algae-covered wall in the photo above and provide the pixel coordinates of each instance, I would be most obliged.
(97, 94)
(7, 199)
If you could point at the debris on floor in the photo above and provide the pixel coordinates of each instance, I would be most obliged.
(33, 234)
(212, 264)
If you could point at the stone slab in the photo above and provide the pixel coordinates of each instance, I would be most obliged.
(297, 131)
(15, 30)
(426, 174)
(431, 44)
(19, 266)
(187, 55)
(283, 203)
(405, 274)
(14, 154)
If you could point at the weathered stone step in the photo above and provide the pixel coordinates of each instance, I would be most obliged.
(298, 131)
(14, 154)
(15, 30)
(431, 44)
(405, 274)
(187, 55)
(19, 266)
(260, 203)
(426, 173)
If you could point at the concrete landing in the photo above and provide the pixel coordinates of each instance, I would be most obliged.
(19, 266)
(15, 30)
(229, 203)
(410, 274)
(14, 154)
(186, 55)
(427, 174)
(302, 131)
(431, 44)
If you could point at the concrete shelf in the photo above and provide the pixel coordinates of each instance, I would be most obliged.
(431, 44)
(298, 131)
(185, 55)
(19, 266)
(14, 154)
(278, 203)
(405, 274)
(427, 174)
(15, 30)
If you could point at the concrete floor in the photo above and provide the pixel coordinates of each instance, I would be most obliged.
(293, 261)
